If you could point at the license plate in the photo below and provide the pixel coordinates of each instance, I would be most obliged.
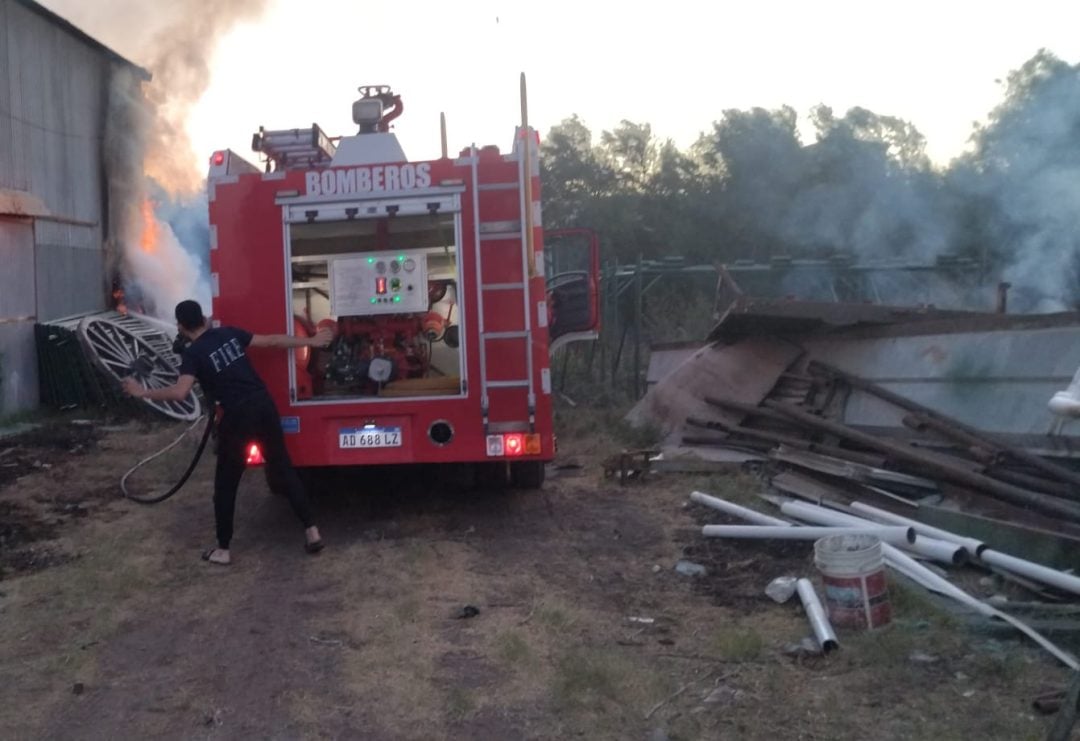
(370, 437)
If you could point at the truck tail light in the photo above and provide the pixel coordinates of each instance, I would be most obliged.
(532, 444)
(513, 444)
(254, 455)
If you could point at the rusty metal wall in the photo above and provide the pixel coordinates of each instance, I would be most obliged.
(53, 88)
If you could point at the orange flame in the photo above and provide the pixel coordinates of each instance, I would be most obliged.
(149, 240)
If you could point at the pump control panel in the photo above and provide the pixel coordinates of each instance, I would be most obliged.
(379, 283)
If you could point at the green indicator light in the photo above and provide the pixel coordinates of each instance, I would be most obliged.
(373, 300)
(401, 258)
(397, 298)
(370, 260)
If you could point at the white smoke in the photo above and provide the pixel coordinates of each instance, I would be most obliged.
(168, 275)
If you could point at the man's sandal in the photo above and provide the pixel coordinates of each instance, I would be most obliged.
(208, 555)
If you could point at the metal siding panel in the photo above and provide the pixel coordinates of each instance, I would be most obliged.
(87, 155)
(55, 85)
(7, 167)
(17, 277)
(20, 141)
(998, 381)
(67, 262)
(18, 357)
(18, 368)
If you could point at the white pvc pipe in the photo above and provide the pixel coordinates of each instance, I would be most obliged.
(938, 550)
(823, 631)
(736, 510)
(905, 535)
(1023, 567)
(918, 573)
(972, 546)
(1042, 574)
(943, 551)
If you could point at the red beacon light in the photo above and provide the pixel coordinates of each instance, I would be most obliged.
(217, 159)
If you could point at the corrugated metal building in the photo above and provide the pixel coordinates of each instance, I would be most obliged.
(54, 92)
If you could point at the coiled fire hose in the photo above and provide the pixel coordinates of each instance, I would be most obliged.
(187, 474)
(140, 370)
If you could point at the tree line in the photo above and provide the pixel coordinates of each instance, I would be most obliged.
(751, 188)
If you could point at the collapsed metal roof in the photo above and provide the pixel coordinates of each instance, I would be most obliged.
(742, 315)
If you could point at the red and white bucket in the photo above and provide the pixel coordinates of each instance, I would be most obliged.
(853, 569)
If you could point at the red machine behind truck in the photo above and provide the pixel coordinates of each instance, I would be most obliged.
(431, 275)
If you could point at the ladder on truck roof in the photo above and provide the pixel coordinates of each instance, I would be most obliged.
(292, 148)
(505, 233)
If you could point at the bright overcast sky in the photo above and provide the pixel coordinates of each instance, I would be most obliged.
(675, 64)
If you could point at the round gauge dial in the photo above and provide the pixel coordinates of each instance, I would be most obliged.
(395, 266)
(380, 267)
(409, 265)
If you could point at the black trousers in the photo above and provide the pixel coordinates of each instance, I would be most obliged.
(255, 420)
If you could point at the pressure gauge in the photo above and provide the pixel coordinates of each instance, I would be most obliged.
(380, 267)
(395, 266)
(409, 265)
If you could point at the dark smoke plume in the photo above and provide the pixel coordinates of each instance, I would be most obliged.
(157, 240)
(176, 42)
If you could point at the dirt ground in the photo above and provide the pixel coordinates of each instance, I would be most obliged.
(112, 627)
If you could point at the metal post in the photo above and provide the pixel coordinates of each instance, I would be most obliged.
(615, 334)
(442, 134)
(605, 330)
(638, 296)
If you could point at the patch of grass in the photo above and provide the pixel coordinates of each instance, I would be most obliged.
(647, 435)
(460, 703)
(738, 645)
(740, 488)
(584, 678)
(889, 646)
(602, 430)
(416, 553)
(553, 617)
(1001, 665)
(910, 601)
(512, 648)
(406, 610)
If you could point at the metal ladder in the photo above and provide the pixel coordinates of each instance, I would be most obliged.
(503, 231)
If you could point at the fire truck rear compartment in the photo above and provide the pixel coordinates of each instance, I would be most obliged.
(388, 289)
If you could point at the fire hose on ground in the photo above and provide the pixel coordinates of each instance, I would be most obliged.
(187, 473)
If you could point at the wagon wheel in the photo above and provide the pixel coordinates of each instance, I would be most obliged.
(121, 353)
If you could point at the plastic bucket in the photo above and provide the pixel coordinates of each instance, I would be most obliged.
(853, 569)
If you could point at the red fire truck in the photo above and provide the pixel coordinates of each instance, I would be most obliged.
(431, 275)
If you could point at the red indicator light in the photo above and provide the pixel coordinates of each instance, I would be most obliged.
(514, 444)
(380, 285)
(254, 455)
(218, 159)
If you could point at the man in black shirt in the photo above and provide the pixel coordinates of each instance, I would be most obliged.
(216, 358)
